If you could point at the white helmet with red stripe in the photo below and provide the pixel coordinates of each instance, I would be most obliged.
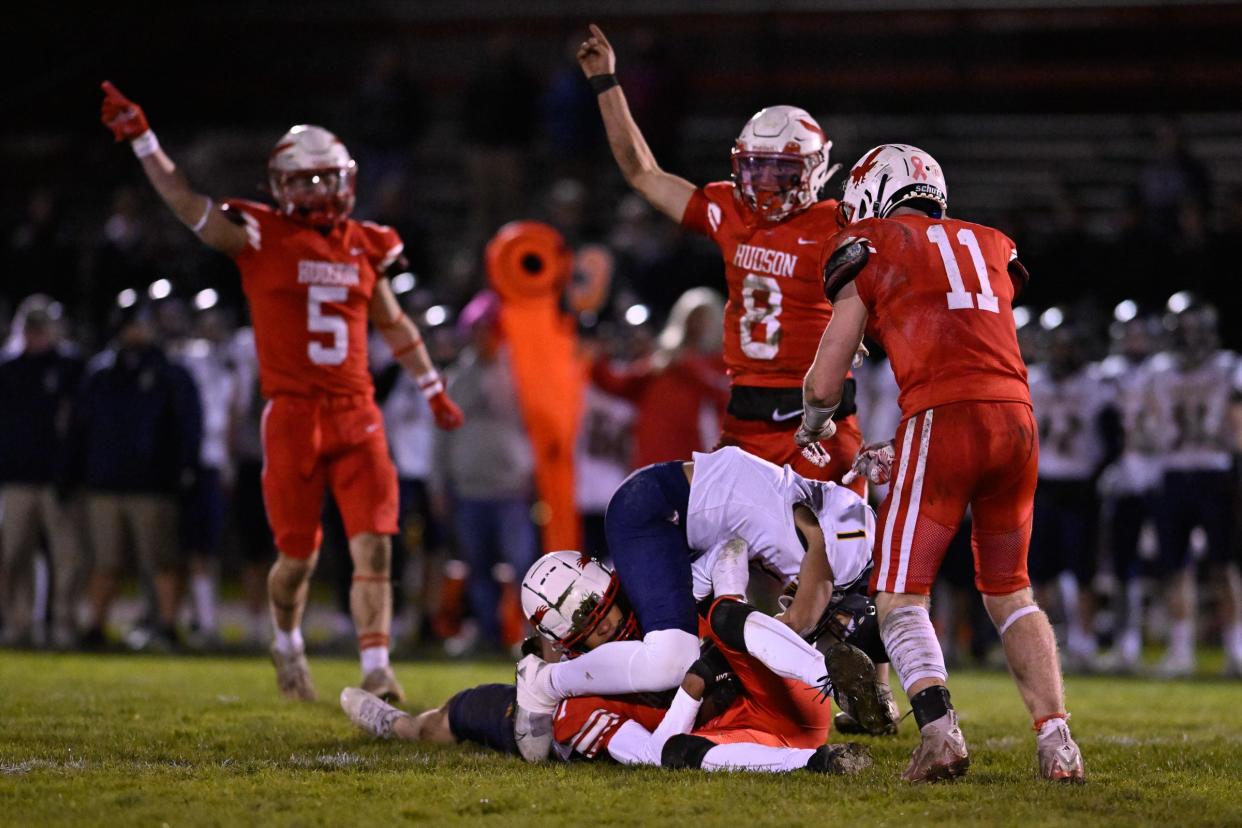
(888, 176)
(566, 594)
(780, 162)
(312, 176)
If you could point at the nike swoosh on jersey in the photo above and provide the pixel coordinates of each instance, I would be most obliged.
(807, 241)
(778, 417)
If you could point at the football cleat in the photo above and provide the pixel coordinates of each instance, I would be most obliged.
(1060, 760)
(293, 677)
(382, 683)
(846, 759)
(532, 715)
(369, 712)
(941, 754)
(857, 692)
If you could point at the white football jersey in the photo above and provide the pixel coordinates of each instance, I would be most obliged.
(1138, 469)
(211, 366)
(737, 495)
(1068, 411)
(1192, 410)
(605, 445)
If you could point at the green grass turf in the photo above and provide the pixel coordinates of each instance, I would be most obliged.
(131, 740)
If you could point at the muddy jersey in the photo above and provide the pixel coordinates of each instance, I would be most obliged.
(1069, 411)
(776, 310)
(1191, 410)
(737, 495)
(939, 298)
(310, 294)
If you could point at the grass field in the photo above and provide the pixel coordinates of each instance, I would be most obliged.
(132, 740)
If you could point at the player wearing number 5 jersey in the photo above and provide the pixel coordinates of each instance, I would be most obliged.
(771, 231)
(938, 294)
(313, 278)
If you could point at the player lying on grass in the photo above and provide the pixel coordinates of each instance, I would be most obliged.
(730, 510)
(764, 723)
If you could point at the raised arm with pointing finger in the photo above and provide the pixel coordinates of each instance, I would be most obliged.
(666, 192)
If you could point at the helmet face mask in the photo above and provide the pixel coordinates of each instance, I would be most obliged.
(312, 176)
(566, 595)
(780, 162)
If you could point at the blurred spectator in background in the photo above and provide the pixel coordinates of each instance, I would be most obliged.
(410, 428)
(388, 117)
(605, 446)
(258, 550)
(1171, 177)
(486, 468)
(209, 359)
(41, 255)
(498, 124)
(680, 390)
(1078, 434)
(37, 387)
(138, 433)
(571, 122)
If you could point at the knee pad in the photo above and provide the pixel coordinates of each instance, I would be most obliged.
(685, 751)
(670, 654)
(727, 618)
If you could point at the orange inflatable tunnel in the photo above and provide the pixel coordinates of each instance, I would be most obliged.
(529, 266)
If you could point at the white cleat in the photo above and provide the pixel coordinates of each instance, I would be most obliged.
(1060, 760)
(532, 715)
(369, 712)
(941, 754)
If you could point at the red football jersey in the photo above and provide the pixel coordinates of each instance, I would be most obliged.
(776, 311)
(939, 297)
(586, 724)
(310, 296)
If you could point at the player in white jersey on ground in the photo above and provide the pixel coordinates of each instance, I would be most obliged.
(737, 510)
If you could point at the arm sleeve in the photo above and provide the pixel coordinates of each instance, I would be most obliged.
(629, 745)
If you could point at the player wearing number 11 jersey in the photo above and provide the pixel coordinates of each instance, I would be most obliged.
(314, 279)
(938, 295)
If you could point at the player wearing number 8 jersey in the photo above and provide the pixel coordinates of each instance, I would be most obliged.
(771, 230)
(314, 279)
(938, 294)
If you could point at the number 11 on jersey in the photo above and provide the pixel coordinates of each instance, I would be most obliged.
(960, 298)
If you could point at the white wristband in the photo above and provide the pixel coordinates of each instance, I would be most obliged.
(201, 223)
(430, 383)
(145, 144)
(815, 418)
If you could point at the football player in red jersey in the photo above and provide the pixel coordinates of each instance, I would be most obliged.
(770, 229)
(938, 294)
(313, 278)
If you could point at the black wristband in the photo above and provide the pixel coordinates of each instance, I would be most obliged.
(602, 83)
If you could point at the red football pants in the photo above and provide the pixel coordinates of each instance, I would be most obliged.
(979, 454)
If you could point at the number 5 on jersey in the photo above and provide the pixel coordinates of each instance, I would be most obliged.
(319, 322)
(960, 298)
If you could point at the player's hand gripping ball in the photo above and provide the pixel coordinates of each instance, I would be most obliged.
(121, 115)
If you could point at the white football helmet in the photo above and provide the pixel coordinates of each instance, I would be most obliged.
(780, 162)
(566, 594)
(889, 175)
(312, 176)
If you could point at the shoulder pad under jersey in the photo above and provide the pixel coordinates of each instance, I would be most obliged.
(844, 264)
